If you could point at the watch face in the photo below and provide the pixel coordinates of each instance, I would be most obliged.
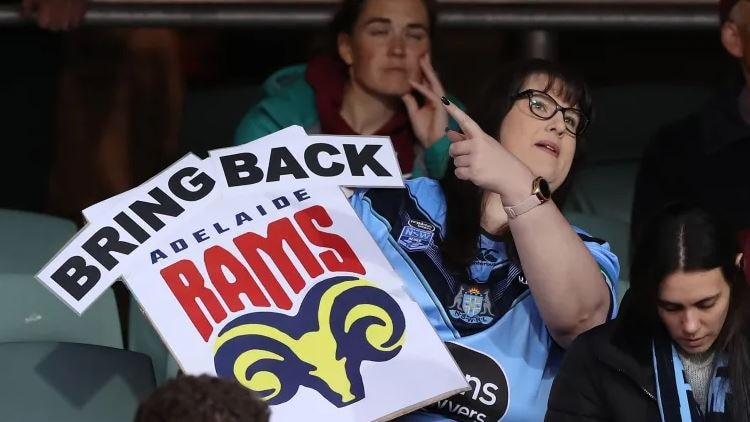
(544, 188)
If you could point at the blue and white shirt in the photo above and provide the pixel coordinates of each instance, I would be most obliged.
(487, 317)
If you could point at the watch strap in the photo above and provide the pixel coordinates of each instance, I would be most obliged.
(526, 205)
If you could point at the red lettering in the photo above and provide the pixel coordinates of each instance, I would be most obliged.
(188, 293)
(349, 261)
(217, 257)
(279, 232)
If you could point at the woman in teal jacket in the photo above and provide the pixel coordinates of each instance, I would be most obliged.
(374, 85)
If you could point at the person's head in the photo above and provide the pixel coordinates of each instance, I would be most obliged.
(202, 399)
(686, 277)
(686, 280)
(735, 30)
(381, 42)
(519, 107)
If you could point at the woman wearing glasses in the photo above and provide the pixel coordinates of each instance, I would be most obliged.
(499, 272)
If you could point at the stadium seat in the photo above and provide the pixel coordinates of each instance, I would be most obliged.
(143, 338)
(605, 190)
(616, 232)
(51, 381)
(30, 239)
(31, 312)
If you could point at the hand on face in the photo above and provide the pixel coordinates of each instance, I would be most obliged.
(430, 120)
(482, 160)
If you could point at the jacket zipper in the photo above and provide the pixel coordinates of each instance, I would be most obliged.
(640, 387)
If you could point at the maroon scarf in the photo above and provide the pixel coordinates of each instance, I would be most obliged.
(328, 77)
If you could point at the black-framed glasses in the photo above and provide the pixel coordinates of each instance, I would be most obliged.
(545, 107)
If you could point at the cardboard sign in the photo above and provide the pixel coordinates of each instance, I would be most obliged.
(252, 265)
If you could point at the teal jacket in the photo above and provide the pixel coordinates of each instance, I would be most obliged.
(289, 100)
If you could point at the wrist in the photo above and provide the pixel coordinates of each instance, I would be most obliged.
(519, 190)
(540, 193)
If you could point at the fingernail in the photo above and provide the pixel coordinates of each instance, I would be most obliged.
(445, 101)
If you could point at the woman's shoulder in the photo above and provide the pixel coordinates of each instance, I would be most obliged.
(286, 78)
(424, 193)
(287, 100)
(287, 91)
(425, 187)
(598, 341)
(598, 336)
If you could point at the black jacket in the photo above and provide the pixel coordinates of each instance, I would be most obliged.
(606, 376)
(703, 158)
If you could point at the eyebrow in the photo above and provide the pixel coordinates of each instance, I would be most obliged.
(388, 21)
(679, 305)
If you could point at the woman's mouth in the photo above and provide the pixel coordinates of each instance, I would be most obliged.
(694, 343)
(549, 147)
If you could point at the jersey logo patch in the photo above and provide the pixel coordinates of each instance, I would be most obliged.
(472, 305)
(416, 236)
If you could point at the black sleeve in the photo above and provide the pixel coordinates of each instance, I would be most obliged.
(575, 392)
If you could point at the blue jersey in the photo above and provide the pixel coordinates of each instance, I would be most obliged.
(487, 317)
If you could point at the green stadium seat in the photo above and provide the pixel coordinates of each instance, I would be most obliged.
(29, 240)
(51, 381)
(143, 338)
(616, 232)
(31, 312)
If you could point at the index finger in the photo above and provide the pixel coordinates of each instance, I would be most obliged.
(468, 126)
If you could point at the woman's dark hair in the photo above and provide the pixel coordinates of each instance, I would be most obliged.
(463, 198)
(348, 13)
(686, 238)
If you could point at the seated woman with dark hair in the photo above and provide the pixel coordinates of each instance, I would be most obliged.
(679, 350)
(502, 276)
(380, 59)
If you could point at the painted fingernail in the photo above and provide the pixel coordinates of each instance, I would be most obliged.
(445, 101)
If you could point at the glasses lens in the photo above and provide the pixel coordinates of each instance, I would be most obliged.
(573, 120)
(542, 105)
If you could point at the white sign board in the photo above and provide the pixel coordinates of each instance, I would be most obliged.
(252, 265)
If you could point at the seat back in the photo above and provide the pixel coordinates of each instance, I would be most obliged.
(605, 190)
(143, 338)
(31, 312)
(616, 232)
(29, 240)
(50, 381)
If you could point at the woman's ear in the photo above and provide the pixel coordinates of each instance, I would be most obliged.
(344, 43)
(731, 39)
(740, 261)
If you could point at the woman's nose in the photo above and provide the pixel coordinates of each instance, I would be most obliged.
(396, 45)
(557, 122)
(690, 323)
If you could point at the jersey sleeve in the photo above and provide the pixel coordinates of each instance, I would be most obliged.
(608, 264)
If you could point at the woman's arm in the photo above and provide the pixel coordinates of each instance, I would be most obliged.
(563, 276)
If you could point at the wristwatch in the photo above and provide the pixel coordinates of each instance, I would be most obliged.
(540, 194)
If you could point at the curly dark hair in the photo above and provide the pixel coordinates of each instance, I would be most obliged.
(202, 398)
